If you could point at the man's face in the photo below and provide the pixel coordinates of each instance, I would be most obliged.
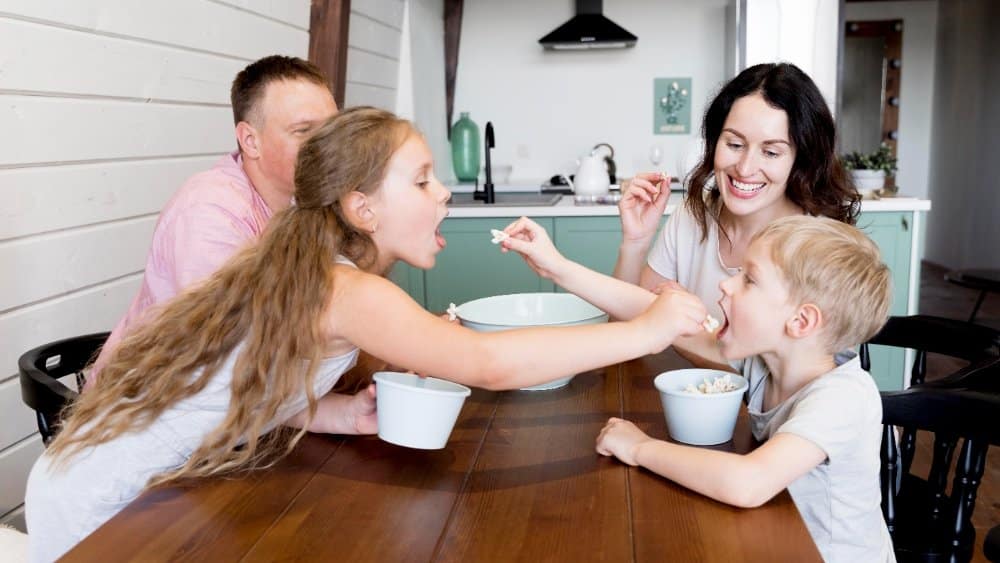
(290, 111)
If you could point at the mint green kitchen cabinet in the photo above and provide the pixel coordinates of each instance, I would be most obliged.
(471, 266)
(591, 241)
(893, 233)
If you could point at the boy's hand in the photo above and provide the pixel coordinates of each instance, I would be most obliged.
(675, 312)
(530, 240)
(644, 198)
(621, 438)
(360, 412)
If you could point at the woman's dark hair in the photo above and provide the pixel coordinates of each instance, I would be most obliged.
(817, 183)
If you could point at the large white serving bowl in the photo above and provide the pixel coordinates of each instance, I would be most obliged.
(521, 310)
(697, 418)
(417, 412)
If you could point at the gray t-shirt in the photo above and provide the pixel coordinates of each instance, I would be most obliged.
(840, 412)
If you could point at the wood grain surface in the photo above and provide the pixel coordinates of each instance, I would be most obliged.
(518, 481)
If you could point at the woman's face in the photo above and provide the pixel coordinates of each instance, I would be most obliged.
(410, 206)
(753, 157)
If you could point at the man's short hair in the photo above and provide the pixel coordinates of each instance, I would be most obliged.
(251, 83)
(839, 269)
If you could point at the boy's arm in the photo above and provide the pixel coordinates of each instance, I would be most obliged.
(747, 480)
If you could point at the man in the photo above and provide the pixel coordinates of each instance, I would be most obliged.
(277, 102)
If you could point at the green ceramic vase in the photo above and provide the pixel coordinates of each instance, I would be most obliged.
(465, 148)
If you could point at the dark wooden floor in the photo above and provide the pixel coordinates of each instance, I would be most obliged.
(938, 297)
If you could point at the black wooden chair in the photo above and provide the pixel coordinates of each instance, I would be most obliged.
(925, 523)
(936, 335)
(42, 367)
(991, 545)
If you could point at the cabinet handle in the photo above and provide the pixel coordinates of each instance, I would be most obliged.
(906, 224)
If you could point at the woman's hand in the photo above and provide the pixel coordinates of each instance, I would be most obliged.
(621, 438)
(530, 240)
(644, 198)
(674, 313)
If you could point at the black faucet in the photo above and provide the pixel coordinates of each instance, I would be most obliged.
(488, 195)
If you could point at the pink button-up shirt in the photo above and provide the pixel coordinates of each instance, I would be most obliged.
(211, 216)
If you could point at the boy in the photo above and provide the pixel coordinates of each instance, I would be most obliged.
(809, 287)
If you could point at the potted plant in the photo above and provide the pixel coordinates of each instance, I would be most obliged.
(869, 170)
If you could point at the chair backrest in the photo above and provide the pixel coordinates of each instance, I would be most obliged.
(42, 367)
(936, 335)
(925, 522)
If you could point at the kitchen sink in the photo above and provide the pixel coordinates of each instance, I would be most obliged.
(510, 199)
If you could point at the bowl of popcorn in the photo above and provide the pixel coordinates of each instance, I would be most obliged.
(700, 405)
(417, 412)
(523, 310)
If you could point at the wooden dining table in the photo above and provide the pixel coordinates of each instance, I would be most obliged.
(519, 480)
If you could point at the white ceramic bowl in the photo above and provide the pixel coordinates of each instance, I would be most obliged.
(520, 310)
(417, 412)
(699, 419)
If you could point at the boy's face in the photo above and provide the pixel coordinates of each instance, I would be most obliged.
(756, 306)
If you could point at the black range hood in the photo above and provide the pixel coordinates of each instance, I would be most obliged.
(588, 29)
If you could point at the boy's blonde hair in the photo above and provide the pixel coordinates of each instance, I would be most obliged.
(836, 267)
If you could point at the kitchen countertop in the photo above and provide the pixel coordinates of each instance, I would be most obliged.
(567, 208)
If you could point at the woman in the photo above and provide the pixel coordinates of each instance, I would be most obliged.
(769, 153)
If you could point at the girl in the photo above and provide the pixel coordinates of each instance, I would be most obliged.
(205, 387)
(769, 153)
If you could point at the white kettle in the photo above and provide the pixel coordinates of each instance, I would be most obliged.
(591, 177)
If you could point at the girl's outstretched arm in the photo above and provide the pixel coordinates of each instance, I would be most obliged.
(621, 300)
(378, 317)
(747, 480)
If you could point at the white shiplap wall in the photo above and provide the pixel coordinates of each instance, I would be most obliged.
(106, 106)
(373, 53)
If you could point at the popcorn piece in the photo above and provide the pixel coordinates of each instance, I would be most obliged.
(720, 384)
(498, 236)
(452, 312)
(711, 324)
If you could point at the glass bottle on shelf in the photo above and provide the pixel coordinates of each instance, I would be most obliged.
(465, 148)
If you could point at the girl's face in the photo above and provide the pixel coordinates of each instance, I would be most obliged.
(755, 304)
(753, 157)
(410, 206)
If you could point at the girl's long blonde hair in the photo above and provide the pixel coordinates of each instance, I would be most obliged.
(270, 297)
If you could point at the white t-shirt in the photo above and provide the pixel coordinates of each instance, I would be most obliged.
(679, 254)
(840, 499)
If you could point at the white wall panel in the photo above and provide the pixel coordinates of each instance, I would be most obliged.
(370, 69)
(39, 58)
(385, 11)
(93, 310)
(72, 260)
(370, 35)
(19, 420)
(15, 464)
(362, 95)
(190, 24)
(42, 199)
(292, 13)
(106, 107)
(49, 130)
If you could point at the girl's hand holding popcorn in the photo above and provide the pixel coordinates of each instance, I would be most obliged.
(674, 313)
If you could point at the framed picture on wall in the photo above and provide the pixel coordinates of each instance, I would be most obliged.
(671, 106)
